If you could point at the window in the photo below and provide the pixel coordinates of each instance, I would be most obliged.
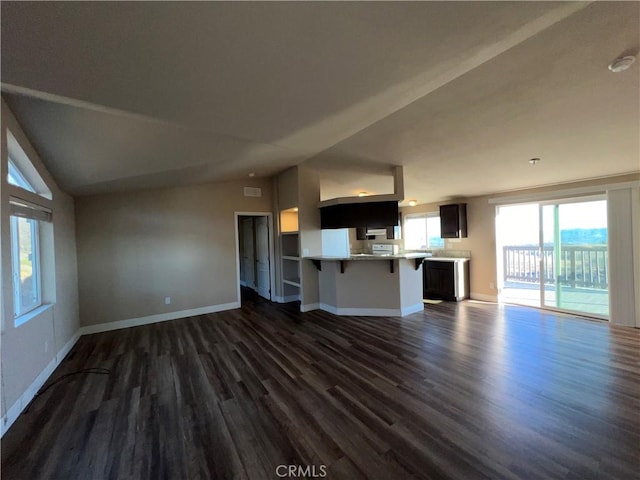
(22, 172)
(15, 177)
(24, 223)
(422, 232)
(25, 255)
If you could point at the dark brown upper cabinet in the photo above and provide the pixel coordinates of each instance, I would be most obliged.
(394, 232)
(453, 220)
(349, 215)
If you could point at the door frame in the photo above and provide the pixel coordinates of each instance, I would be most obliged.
(557, 202)
(242, 222)
(540, 203)
(272, 276)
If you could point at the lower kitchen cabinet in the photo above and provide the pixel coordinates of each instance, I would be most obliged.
(446, 279)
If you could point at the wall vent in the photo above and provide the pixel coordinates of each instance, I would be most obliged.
(252, 192)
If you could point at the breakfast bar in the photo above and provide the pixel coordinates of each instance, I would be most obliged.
(371, 285)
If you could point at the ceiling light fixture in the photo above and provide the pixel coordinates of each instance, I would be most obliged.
(252, 174)
(621, 64)
(363, 194)
(534, 161)
(412, 203)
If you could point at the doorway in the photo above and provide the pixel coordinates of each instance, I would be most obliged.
(254, 253)
(554, 254)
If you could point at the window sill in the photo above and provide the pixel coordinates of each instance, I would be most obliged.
(22, 319)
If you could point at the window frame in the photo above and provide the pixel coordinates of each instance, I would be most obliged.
(25, 183)
(18, 310)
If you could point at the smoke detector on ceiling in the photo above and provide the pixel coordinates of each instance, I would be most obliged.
(622, 63)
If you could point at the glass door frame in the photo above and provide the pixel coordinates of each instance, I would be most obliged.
(556, 243)
(542, 267)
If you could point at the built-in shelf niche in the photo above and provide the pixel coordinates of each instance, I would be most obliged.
(290, 291)
(290, 252)
(291, 271)
(290, 245)
(289, 220)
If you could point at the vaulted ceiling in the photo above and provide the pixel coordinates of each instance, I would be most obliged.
(129, 95)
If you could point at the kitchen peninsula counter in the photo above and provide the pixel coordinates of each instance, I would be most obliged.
(371, 285)
(371, 256)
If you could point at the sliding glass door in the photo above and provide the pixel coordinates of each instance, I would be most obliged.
(554, 255)
(518, 235)
(576, 256)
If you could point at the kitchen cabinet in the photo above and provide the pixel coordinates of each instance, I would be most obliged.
(446, 279)
(390, 232)
(453, 220)
(367, 214)
(394, 232)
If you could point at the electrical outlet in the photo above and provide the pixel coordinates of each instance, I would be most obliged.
(492, 286)
(167, 300)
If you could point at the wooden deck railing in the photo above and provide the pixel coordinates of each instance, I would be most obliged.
(582, 266)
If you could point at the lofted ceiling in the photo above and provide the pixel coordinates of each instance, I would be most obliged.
(128, 95)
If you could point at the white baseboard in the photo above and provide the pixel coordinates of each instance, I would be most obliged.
(286, 299)
(16, 409)
(161, 317)
(329, 308)
(484, 298)
(67, 347)
(372, 312)
(418, 307)
(309, 306)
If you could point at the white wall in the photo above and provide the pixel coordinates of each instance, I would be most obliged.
(136, 248)
(31, 350)
(310, 235)
(623, 212)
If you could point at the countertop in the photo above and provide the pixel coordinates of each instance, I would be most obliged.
(448, 259)
(368, 256)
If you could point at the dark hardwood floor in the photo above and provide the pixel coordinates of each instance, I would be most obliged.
(465, 391)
